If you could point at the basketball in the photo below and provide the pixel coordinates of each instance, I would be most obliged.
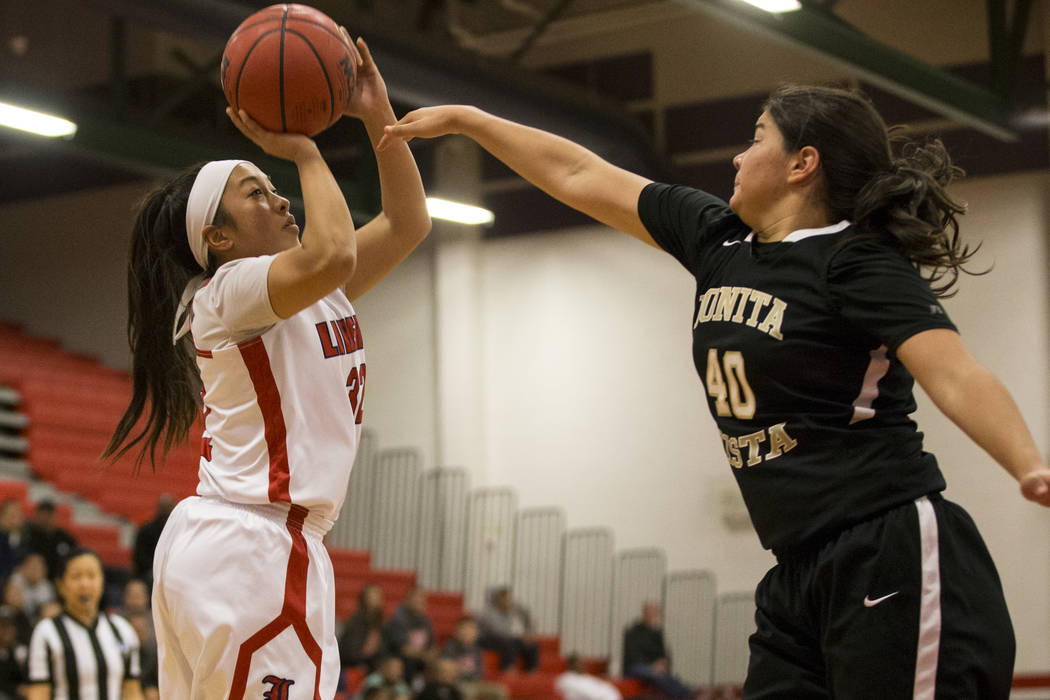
(289, 67)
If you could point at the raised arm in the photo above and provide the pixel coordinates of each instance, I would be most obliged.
(386, 240)
(327, 256)
(563, 169)
(976, 401)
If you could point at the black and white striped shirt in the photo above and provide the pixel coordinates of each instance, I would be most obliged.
(81, 662)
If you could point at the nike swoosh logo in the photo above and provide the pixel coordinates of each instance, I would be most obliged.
(729, 243)
(869, 603)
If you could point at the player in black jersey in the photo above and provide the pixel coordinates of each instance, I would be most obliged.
(811, 320)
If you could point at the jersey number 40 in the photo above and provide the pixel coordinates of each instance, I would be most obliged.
(729, 387)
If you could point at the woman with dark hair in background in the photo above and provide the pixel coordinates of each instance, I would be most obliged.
(83, 653)
(361, 643)
(243, 598)
(812, 317)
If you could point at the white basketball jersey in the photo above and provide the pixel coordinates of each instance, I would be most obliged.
(282, 397)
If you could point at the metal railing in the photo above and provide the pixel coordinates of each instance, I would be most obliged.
(538, 565)
(587, 585)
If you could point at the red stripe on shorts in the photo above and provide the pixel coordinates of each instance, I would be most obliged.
(293, 613)
(253, 352)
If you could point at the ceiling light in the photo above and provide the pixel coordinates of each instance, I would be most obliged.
(35, 122)
(776, 5)
(460, 213)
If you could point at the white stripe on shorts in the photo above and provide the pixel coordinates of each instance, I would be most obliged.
(929, 603)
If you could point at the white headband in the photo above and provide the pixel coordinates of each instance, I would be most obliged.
(201, 206)
(204, 202)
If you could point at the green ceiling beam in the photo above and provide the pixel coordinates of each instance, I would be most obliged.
(160, 152)
(889, 69)
(153, 153)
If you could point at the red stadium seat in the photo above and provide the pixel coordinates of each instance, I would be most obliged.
(17, 490)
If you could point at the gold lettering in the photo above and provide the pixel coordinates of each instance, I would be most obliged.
(752, 441)
(760, 299)
(726, 301)
(779, 441)
(730, 304)
(729, 444)
(771, 323)
(738, 317)
(706, 306)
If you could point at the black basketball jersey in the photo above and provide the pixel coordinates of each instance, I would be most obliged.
(795, 343)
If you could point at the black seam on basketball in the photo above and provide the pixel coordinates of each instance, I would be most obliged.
(284, 21)
(337, 35)
(327, 80)
(293, 18)
(244, 63)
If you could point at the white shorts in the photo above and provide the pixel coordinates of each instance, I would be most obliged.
(244, 603)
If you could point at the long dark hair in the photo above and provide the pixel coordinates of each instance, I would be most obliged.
(900, 198)
(164, 376)
(373, 616)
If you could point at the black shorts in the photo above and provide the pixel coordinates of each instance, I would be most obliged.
(906, 605)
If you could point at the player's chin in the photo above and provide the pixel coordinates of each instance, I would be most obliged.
(291, 235)
(735, 201)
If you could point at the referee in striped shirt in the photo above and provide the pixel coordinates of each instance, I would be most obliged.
(83, 654)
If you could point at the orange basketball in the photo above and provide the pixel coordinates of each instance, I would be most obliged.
(290, 69)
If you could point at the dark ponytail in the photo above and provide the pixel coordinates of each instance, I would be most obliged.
(164, 376)
(901, 199)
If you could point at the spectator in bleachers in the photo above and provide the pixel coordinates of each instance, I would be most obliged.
(506, 628)
(441, 681)
(361, 643)
(389, 675)
(465, 652)
(13, 657)
(576, 684)
(409, 633)
(14, 606)
(136, 598)
(43, 535)
(37, 589)
(12, 536)
(146, 540)
(645, 657)
(378, 692)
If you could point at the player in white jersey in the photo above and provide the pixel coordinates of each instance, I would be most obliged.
(243, 594)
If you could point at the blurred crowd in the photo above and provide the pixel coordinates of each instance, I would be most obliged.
(31, 553)
(384, 656)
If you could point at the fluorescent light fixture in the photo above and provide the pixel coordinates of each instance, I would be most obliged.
(776, 5)
(460, 213)
(35, 122)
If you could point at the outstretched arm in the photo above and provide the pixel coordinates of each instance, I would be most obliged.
(386, 240)
(565, 170)
(976, 401)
